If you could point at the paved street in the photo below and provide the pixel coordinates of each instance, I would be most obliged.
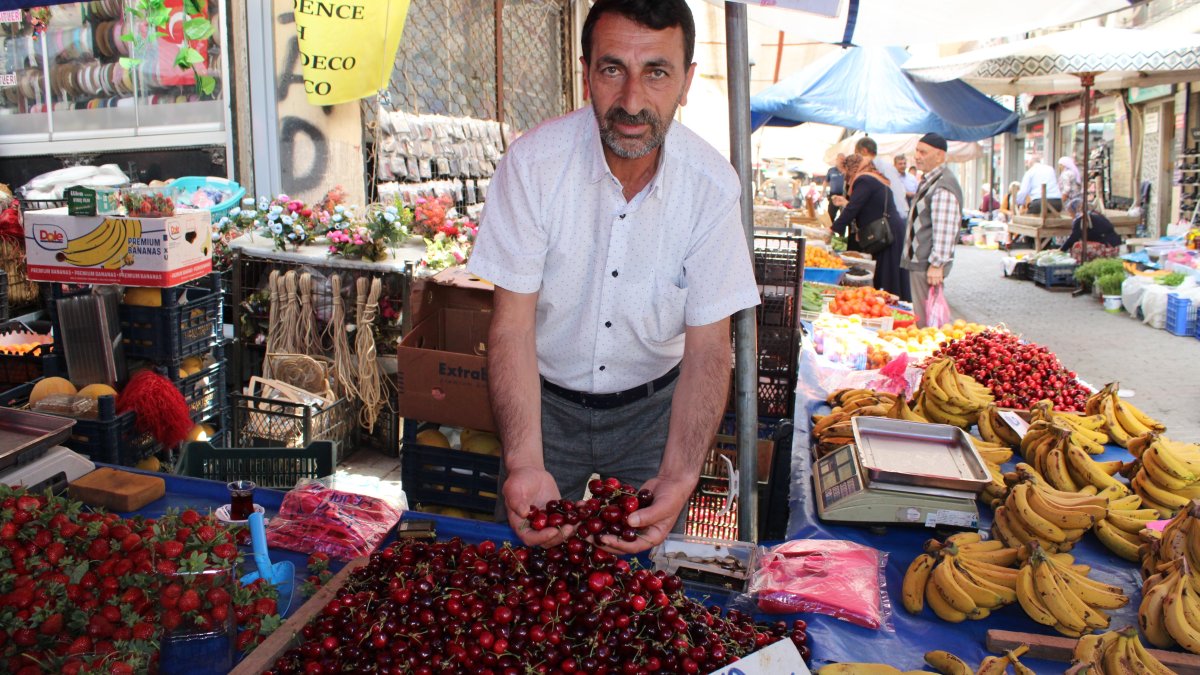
(1162, 370)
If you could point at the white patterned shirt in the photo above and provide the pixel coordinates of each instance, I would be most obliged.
(617, 281)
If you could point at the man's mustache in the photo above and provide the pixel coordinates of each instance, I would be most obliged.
(620, 116)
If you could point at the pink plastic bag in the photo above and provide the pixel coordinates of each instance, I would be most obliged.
(314, 517)
(841, 579)
(937, 312)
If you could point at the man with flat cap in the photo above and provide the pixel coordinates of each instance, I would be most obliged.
(933, 222)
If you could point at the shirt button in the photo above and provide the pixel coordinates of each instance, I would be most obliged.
(622, 216)
(601, 367)
(614, 273)
(608, 324)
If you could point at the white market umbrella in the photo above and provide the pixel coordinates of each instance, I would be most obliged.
(1110, 58)
(891, 145)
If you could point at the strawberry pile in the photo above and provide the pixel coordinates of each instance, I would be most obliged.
(605, 512)
(452, 607)
(85, 591)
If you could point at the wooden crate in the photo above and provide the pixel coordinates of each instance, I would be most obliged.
(288, 635)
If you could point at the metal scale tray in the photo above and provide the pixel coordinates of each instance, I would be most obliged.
(25, 436)
(911, 453)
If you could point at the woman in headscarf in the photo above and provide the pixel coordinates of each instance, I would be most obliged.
(869, 196)
(1070, 180)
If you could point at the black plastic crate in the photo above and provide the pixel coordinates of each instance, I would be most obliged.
(272, 423)
(447, 477)
(1053, 276)
(777, 310)
(112, 438)
(386, 436)
(779, 261)
(776, 395)
(204, 390)
(177, 329)
(778, 351)
(17, 369)
(1020, 271)
(276, 467)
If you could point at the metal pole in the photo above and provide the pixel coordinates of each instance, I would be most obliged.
(737, 54)
(1087, 79)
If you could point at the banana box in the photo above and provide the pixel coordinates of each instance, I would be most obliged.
(114, 249)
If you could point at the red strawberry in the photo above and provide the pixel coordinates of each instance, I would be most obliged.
(120, 668)
(8, 532)
(171, 619)
(189, 601)
(55, 552)
(24, 637)
(220, 613)
(52, 624)
(189, 517)
(172, 549)
(130, 542)
(166, 567)
(217, 597)
(143, 631)
(28, 503)
(225, 551)
(245, 640)
(206, 533)
(173, 591)
(80, 645)
(265, 606)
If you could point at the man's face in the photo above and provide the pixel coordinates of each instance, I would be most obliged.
(841, 161)
(636, 79)
(901, 163)
(928, 157)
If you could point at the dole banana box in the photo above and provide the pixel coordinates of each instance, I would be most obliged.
(441, 364)
(114, 249)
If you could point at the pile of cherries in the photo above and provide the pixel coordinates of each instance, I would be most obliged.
(1019, 373)
(453, 607)
(605, 512)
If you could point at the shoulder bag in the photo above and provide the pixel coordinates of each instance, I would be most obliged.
(876, 235)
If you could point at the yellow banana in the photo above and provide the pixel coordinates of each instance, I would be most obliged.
(1056, 472)
(1116, 432)
(1128, 421)
(1086, 470)
(1151, 616)
(916, 577)
(859, 669)
(1067, 609)
(945, 584)
(1142, 656)
(1085, 650)
(1173, 616)
(1175, 460)
(1130, 502)
(1149, 490)
(1003, 556)
(1112, 538)
(102, 250)
(940, 607)
(1092, 592)
(947, 664)
(1131, 521)
(1138, 445)
(1018, 501)
(962, 539)
(993, 665)
(1057, 513)
(983, 591)
(1001, 530)
(1145, 419)
(1030, 600)
(996, 574)
(92, 239)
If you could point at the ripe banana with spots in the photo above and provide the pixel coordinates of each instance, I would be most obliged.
(1115, 653)
(993, 428)
(1055, 594)
(949, 397)
(961, 578)
(1036, 511)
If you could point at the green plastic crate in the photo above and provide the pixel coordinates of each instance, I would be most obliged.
(268, 467)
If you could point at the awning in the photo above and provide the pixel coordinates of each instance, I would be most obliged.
(864, 88)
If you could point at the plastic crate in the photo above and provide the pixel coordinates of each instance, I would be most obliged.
(777, 350)
(1181, 315)
(824, 275)
(447, 477)
(268, 467)
(177, 329)
(1052, 276)
(1020, 271)
(272, 423)
(777, 309)
(204, 391)
(190, 184)
(111, 438)
(17, 369)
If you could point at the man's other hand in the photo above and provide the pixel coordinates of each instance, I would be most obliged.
(656, 521)
(532, 487)
(933, 276)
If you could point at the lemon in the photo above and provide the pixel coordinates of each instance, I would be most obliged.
(151, 463)
(433, 437)
(143, 297)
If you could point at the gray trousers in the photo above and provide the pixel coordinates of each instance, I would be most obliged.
(626, 443)
(920, 293)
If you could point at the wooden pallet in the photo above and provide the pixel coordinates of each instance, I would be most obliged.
(288, 635)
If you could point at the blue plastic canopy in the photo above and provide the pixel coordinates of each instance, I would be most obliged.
(864, 88)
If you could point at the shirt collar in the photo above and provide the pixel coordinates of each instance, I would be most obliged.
(600, 166)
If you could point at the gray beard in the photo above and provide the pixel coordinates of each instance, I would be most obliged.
(613, 140)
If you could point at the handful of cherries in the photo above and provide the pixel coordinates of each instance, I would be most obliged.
(605, 512)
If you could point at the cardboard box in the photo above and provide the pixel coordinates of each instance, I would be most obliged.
(157, 252)
(441, 365)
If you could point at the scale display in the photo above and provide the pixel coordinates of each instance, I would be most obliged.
(838, 476)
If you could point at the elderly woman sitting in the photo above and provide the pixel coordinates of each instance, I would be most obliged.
(1103, 240)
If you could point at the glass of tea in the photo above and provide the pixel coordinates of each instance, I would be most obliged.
(241, 499)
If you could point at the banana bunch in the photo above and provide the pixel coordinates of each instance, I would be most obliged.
(1055, 593)
(1087, 431)
(1123, 421)
(1115, 653)
(1052, 450)
(994, 455)
(1166, 473)
(1170, 610)
(1119, 529)
(107, 245)
(948, 664)
(996, 430)
(949, 397)
(832, 431)
(1179, 540)
(963, 578)
(1036, 511)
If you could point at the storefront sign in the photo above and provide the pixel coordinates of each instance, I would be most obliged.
(1139, 94)
(10, 16)
(347, 49)
(1152, 123)
(8, 80)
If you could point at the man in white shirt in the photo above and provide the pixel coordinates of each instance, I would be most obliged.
(1036, 175)
(910, 179)
(867, 148)
(614, 237)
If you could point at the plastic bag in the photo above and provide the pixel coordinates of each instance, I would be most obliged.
(345, 525)
(937, 312)
(837, 578)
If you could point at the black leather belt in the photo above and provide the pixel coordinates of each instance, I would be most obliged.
(615, 399)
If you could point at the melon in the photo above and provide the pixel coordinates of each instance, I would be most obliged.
(201, 432)
(51, 385)
(143, 297)
(433, 437)
(482, 443)
(192, 365)
(95, 391)
(151, 463)
(183, 372)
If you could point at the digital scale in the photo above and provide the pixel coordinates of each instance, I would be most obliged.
(902, 472)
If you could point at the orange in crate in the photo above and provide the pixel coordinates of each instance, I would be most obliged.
(819, 257)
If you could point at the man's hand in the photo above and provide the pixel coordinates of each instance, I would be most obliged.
(933, 276)
(656, 521)
(839, 200)
(532, 487)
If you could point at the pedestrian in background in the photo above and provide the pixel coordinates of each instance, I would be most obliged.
(933, 223)
(869, 201)
(835, 181)
(910, 179)
(1037, 175)
(1070, 180)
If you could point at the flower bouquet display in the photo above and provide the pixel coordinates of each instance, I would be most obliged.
(450, 245)
(380, 229)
